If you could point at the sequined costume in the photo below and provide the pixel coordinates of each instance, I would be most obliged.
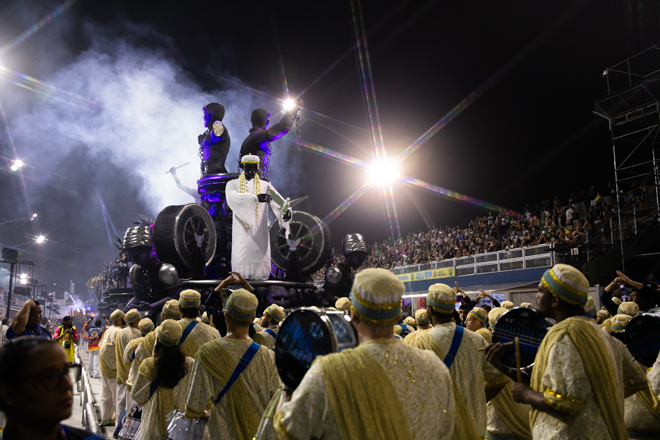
(199, 336)
(108, 361)
(641, 414)
(129, 357)
(266, 339)
(252, 391)
(422, 395)
(156, 408)
(470, 372)
(250, 251)
(123, 400)
(560, 373)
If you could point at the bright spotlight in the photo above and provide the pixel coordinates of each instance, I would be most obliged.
(19, 163)
(34, 215)
(289, 104)
(13, 168)
(383, 172)
(40, 239)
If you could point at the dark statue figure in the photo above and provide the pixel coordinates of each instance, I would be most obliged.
(214, 143)
(154, 282)
(260, 137)
(339, 278)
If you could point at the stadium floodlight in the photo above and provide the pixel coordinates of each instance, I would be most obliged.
(383, 172)
(289, 104)
(40, 239)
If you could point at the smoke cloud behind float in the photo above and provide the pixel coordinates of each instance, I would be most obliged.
(141, 114)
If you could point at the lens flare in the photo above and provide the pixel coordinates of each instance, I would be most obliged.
(40, 239)
(288, 105)
(37, 26)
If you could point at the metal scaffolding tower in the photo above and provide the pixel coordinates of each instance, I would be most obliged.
(633, 112)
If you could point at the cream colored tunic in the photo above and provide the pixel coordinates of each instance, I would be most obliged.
(135, 364)
(107, 346)
(199, 336)
(123, 338)
(146, 348)
(638, 417)
(421, 380)
(565, 376)
(267, 340)
(470, 370)
(260, 378)
(151, 417)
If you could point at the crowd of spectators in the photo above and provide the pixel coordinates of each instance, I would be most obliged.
(586, 217)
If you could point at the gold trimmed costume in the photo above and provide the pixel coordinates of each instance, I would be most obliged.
(360, 394)
(238, 414)
(470, 372)
(575, 370)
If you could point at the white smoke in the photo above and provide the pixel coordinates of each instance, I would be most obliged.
(147, 113)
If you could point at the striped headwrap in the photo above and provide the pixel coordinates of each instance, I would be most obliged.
(619, 323)
(132, 315)
(242, 305)
(422, 317)
(628, 308)
(116, 315)
(603, 313)
(376, 297)
(169, 333)
(276, 312)
(171, 309)
(567, 283)
(146, 325)
(480, 314)
(190, 298)
(441, 298)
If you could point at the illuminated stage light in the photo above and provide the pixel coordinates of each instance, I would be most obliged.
(40, 239)
(288, 105)
(18, 164)
(383, 172)
(34, 216)
(14, 168)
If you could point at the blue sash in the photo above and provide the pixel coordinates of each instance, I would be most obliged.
(187, 331)
(455, 343)
(242, 365)
(272, 333)
(153, 387)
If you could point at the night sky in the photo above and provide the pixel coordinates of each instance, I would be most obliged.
(529, 136)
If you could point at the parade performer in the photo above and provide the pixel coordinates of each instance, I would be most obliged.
(238, 405)
(574, 390)
(162, 382)
(365, 393)
(258, 141)
(146, 348)
(108, 361)
(457, 347)
(154, 282)
(423, 323)
(146, 326)
(131, 331)
(339, 278)
(214, 143)
(507, 305)
(646, 410)
(273, 315)
(343, 304)
(67, 336)
(250, 251)
(194, 334)
(476, 320)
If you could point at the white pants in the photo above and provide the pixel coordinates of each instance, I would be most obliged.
(108, 397)
(120, 404)
(94, 367)
(129, 400)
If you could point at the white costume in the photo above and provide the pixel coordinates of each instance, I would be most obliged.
(250, 250)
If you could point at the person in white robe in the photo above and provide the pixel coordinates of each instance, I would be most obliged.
(248, 197)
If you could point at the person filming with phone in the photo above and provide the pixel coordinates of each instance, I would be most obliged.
(67, 336)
